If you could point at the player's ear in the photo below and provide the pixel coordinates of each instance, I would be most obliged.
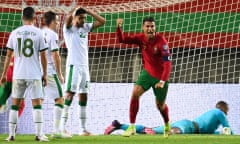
(143, 27)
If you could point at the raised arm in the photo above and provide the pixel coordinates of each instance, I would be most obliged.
(99, 19)
(69, 18)
(125, 39)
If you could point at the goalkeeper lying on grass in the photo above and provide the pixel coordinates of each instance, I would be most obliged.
(207, 123)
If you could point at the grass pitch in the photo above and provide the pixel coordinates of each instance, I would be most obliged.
(138, 139)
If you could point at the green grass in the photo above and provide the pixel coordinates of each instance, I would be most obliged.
(138, 139)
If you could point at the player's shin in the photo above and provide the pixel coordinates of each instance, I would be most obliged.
(165, 114)
(38, 119)
(134, 106)
(64, 116)
(57, 113)
(13, 118)
(82, 113)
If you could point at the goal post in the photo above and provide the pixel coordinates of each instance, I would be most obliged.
(204, 40)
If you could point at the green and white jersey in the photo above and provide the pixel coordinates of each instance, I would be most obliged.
(51, 37)
(26, 42)
(76, 40)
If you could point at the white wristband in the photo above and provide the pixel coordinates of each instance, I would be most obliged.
(161, 81)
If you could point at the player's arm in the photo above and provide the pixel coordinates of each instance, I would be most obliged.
(57, 63)
(56, 56)
(167, 64)
(223, 120)
(69, 18)
(6, 64)
(123, 38)
(43, 58)
(99, 19)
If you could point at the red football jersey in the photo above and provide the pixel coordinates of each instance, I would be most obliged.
(155, 53)
(10, 71)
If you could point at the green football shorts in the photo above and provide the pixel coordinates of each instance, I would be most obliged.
(146, 81)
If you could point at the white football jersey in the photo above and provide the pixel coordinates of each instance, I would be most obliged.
(26, 42)
(51, 37)
(76, 40)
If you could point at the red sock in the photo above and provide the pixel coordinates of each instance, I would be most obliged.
(22, 105)
(164, 114)
(134, 105)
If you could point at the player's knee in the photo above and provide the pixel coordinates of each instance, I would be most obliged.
(36, 102)
(137, 92)
(59, 100)
(69, 95)
(160, 106)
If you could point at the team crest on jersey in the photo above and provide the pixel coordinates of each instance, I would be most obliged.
(82, 35)
(56, 41)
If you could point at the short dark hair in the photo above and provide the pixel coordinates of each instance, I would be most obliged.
(49, 17)
(221, 104)
(28, 13)
(80, 11)
(149, 19)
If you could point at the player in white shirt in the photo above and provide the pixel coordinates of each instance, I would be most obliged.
(54, 72)
(27, 43)
(75, 32)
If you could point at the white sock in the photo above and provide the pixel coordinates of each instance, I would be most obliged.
(83, 117)
(64, 118)
(38, 120)
(13, 118)
(57, 114)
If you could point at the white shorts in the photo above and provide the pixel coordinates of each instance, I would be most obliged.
(32, 87)
(54, 87)
(77, 79)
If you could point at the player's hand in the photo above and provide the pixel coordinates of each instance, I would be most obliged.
(61, 79)
(160, 84)
(74, 10)
(78, 7)
(119, 22)
(3, 80)
(44, 80)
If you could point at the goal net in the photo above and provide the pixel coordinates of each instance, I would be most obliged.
(204, 40)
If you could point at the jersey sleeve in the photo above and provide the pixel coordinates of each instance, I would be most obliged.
(223, 120)
(122, 38)
(42, 43)
(54, 43)
(88, 27)
(167, 64)
(67, 30)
